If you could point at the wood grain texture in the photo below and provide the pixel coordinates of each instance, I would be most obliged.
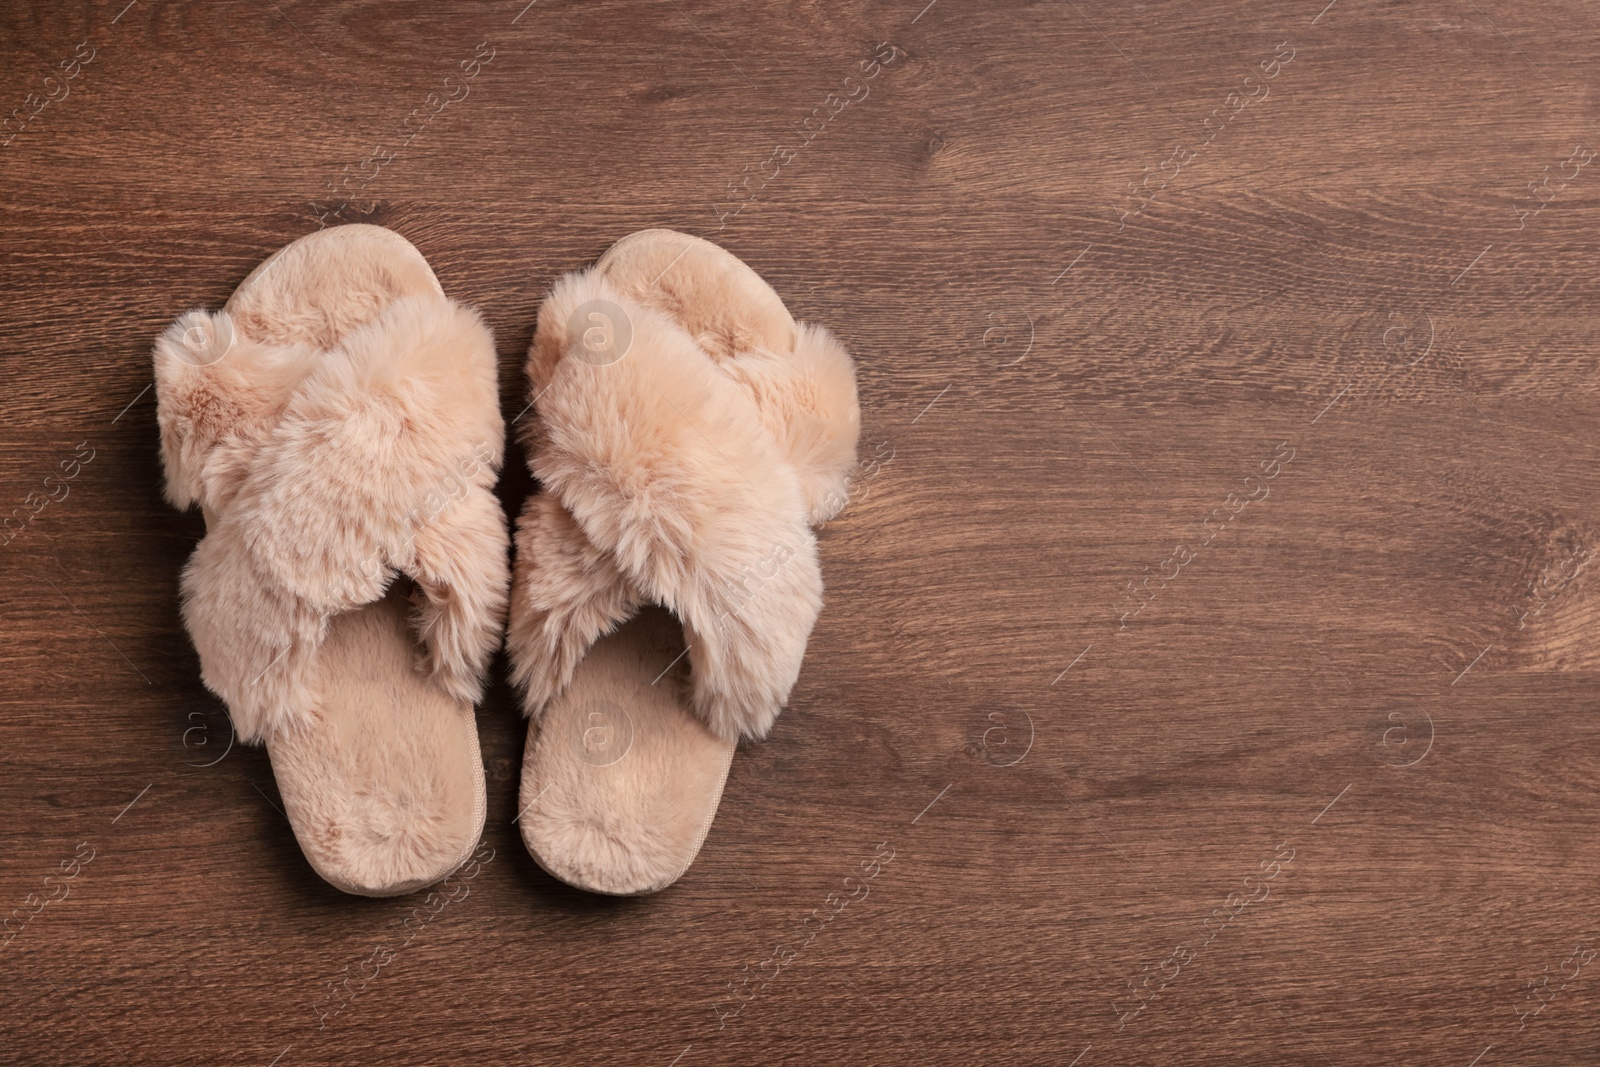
(1179, 763)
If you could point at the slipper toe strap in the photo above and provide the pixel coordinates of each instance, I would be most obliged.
(661, 464)
(381, 459)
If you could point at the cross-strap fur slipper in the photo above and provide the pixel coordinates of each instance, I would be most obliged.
(689, 435)
(338, 422)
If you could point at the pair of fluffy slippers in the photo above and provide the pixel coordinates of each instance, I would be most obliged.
(338, 423)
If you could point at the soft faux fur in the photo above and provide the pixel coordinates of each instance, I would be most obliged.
(323, 471)
(687, 474)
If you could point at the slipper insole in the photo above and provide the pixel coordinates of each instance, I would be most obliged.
(620, 781)
(385, 791)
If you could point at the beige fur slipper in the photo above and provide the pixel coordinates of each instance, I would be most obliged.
(338, 422)
(689, 435)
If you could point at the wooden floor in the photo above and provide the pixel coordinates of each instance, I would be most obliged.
(1208, 671)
